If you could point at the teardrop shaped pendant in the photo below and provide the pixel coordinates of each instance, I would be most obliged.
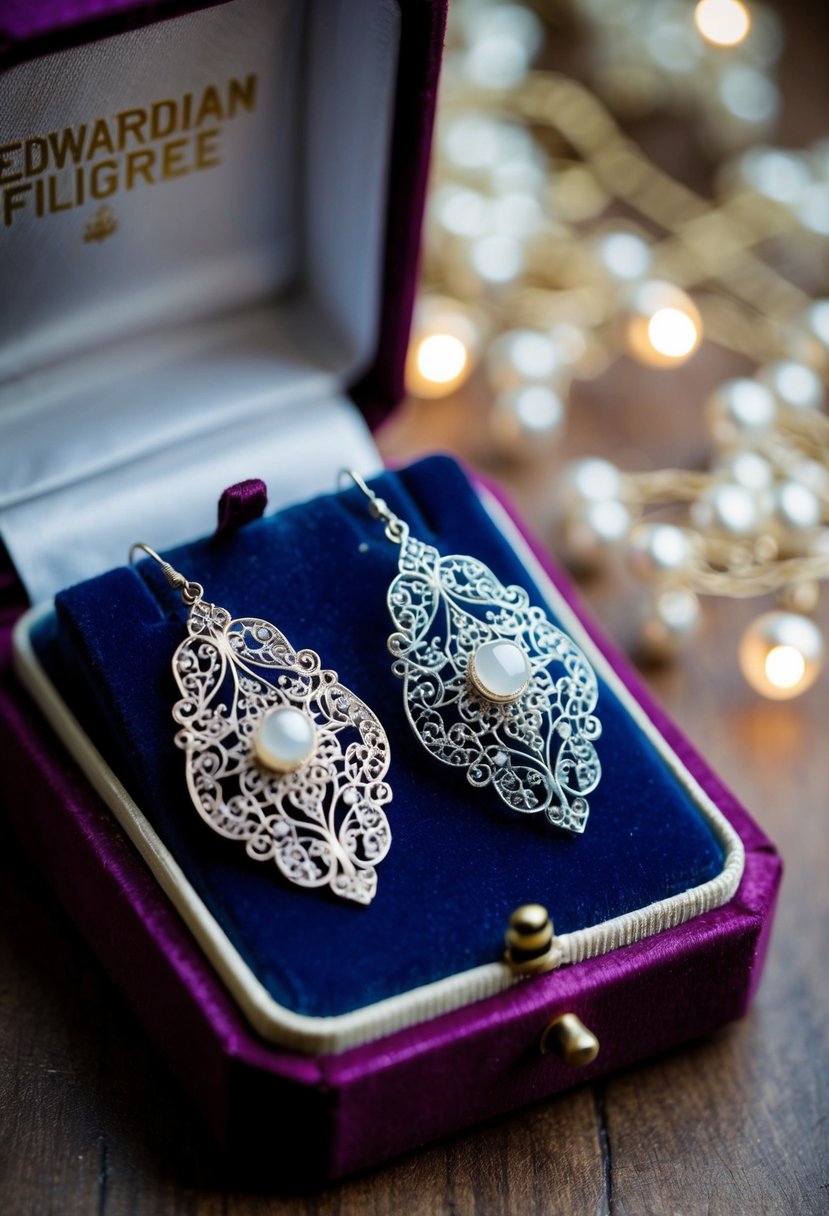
(490, 685)
(279, 754)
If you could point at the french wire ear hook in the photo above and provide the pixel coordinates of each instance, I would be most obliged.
(396, 529)
(190, 592)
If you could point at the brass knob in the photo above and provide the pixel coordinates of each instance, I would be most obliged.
(530, 940)
(569, 1039)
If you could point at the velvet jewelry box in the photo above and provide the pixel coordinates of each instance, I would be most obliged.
(209, 330)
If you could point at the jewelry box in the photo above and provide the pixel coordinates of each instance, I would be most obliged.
(210, 218)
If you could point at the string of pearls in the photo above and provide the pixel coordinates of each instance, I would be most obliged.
(531, 275)
(715, 59)
(755, 523)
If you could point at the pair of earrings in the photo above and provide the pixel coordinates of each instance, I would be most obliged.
(284, 757)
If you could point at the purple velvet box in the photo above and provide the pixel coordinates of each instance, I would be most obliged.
(446, 1073)
(315, 1117)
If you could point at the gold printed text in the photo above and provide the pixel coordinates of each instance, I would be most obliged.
(129, 150)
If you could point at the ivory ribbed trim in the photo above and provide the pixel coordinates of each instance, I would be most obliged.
(317, 1035)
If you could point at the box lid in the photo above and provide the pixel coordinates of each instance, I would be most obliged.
(282, 274)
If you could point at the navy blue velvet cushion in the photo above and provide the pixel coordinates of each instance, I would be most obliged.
(460, 861)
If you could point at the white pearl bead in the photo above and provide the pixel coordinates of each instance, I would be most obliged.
(593, 531)
(624, 255)
(818, 314)
(570, 342)
(517, 214)
(496, 260)
(470, 142)
(775, 174)
(478, 146)
(740, 409)
(800, 597)
(503, 41)
(810, 336)
(673, 619)
(460, 211)
(794, 385)
(658, 551)
(499, 671)
(669, 46)
(781, 654)
(794, 506)
(496, 63)
(749, 470)
(590, 480)
(525, 420)
(749, 95)
(814, 475)
(522, 174)
(519, 355)
(819, 158)
(504, 21)
(727, 509)
(812, 209)
(285, 739)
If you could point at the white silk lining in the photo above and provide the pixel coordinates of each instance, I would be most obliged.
(210, 338)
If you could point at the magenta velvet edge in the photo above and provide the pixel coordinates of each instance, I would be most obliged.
(32, 21)
(455, 1070)
(423, 24)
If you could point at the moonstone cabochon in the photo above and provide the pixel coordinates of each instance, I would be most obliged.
(285, 739)
(500, 670)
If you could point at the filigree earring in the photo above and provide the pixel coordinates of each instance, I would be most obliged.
(490, 685)
(291, 763)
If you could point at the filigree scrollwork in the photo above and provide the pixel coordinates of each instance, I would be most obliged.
(322, 824)
(537, 751)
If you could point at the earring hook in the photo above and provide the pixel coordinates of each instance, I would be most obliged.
(378, 508)
(190, 592)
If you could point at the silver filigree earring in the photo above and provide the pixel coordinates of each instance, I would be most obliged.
(490, 685)
(291, 762)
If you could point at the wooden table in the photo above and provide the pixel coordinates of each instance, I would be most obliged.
(91, 1121)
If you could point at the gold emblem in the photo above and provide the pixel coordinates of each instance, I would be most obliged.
(102, 225)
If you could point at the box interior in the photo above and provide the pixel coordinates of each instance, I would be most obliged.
(460, 861)
(192, 212)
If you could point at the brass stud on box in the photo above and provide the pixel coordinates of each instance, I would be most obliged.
(531, 943)
(569, 1039)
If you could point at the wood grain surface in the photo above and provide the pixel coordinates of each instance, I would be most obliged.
(92, 1122)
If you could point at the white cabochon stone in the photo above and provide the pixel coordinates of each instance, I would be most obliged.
(499, 670)
(285, 739)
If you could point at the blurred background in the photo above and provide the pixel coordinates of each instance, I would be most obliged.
(624, 321)
(622, 316)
